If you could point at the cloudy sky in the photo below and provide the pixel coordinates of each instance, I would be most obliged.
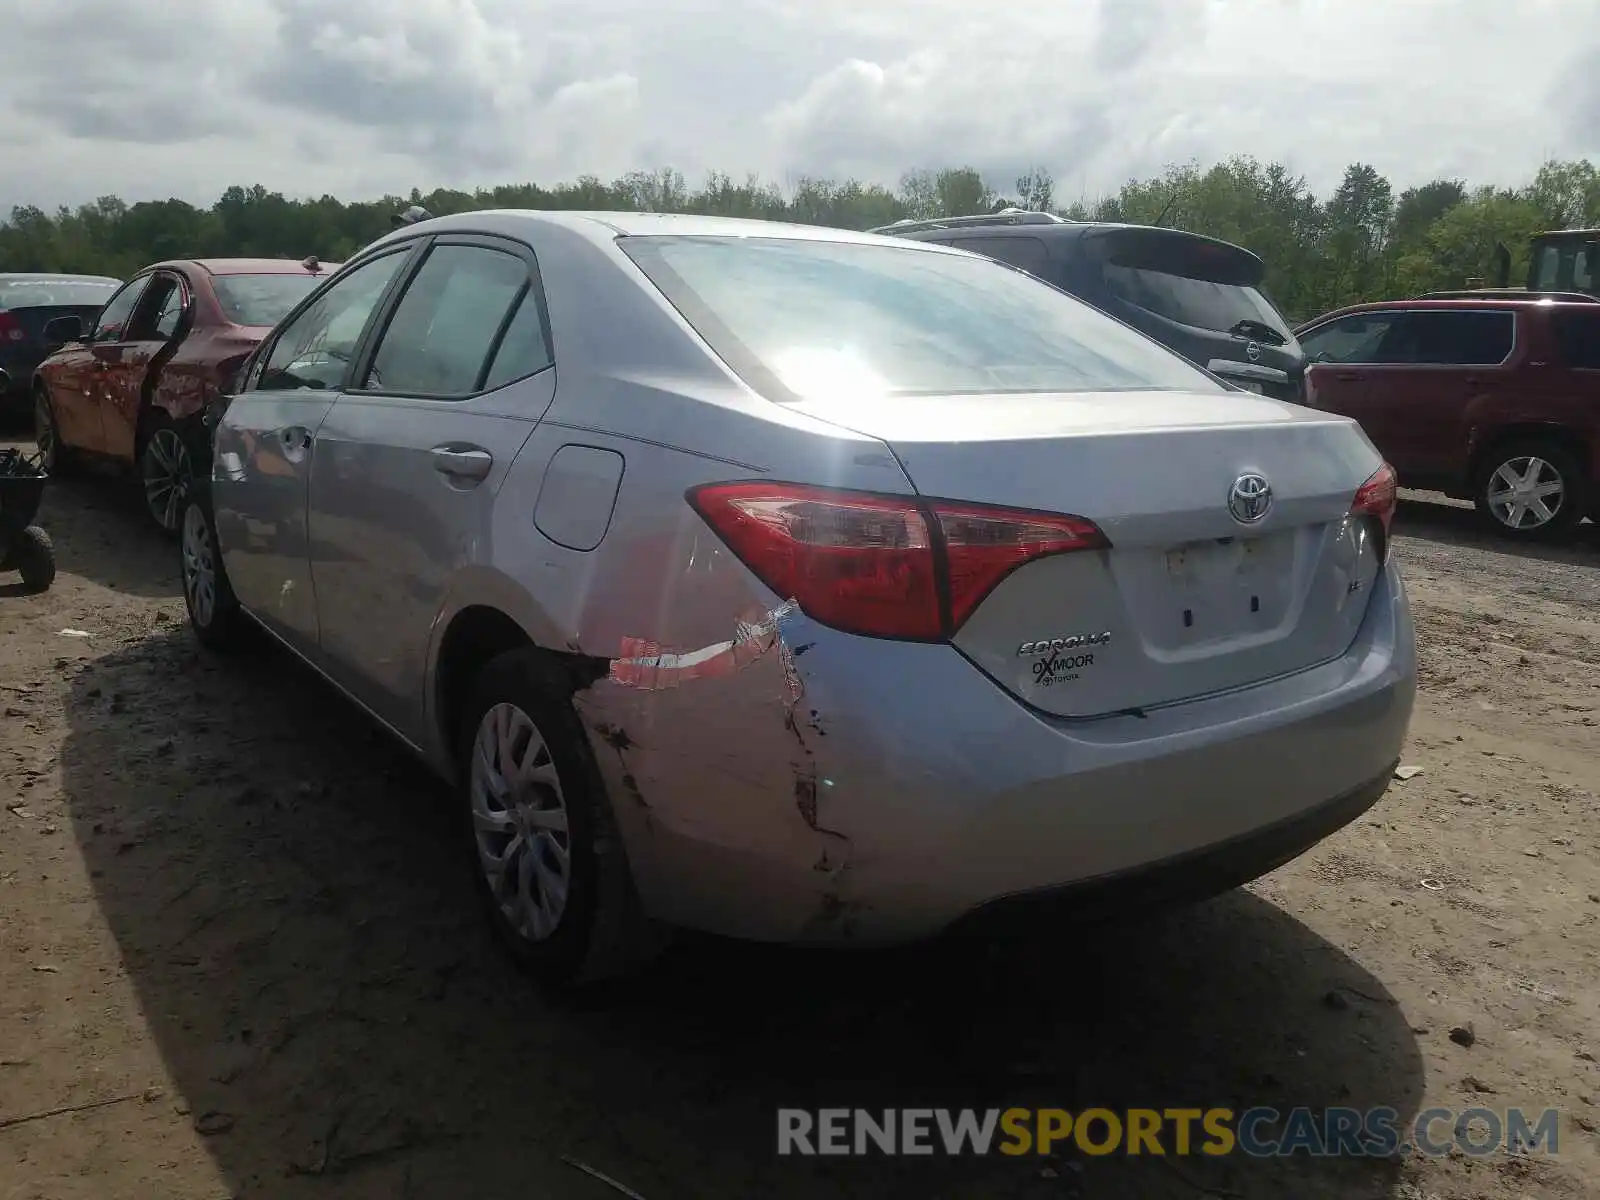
(363, 97)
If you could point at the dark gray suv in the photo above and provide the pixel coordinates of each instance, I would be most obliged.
(1197, 295)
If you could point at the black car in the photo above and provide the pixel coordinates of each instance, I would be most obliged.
(27, 303)
(1197, 295)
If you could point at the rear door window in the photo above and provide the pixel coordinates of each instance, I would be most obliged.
(525, 348)
(449, 322)
(1026, 253)
(1455, 338)
(1577, 334)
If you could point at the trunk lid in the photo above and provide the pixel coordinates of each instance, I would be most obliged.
(1188, 600)
(32, 319)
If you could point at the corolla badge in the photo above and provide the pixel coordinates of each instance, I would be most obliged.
(1250, 498)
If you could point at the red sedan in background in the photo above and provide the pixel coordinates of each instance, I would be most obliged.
(130, 388)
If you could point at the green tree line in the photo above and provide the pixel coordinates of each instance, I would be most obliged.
(1362, 242)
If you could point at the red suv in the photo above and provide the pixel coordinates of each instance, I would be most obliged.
(1497, 402)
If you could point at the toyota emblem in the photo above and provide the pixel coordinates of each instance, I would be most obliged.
(1252, 351)
(1250, 498)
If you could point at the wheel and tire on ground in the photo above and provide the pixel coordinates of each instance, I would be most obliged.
(1531, 488)
(166, 469)
(550, 867)
(32, 555)
(214, 612)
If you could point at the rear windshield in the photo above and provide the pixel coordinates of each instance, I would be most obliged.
(261, 299)
(74, 293)
(1200, 303)
(812, 319)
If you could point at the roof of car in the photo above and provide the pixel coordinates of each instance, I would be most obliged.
(1508, 293)
(608, 224)
(1013, 225)
(245, 266)
(257, 266)
(1029, 229)
(1445, 305)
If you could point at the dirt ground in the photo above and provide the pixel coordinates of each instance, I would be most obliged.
(234, 937)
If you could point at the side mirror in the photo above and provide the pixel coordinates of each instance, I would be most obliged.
(61, 330)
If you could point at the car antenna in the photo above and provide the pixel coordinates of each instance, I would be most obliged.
(311, 263)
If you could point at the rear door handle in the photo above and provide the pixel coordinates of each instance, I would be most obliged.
(295, 437)
(1349, 376)
(462, 462)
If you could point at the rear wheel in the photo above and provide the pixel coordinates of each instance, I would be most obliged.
(166, 470)
(214, 612)
(1531, 489)
(549, 864)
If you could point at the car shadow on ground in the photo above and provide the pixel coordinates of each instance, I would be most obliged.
(284, 888)
(1425, 515)
(101, 532)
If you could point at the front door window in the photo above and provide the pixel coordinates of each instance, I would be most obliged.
(316, 346)
(110, 325)
(1349, 340)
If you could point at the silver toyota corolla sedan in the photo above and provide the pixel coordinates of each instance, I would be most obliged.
(803, 585)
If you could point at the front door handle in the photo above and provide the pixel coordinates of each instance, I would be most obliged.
(295, 437)
(1349, 376)
(462, 462)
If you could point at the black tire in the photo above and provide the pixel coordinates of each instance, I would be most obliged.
(1557, 464)
(33, 555)
(219, 625)
(58, 459)
(600, 932)
(166, 470)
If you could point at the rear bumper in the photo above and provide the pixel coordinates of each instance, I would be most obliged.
(879, 792)
(1183, 878)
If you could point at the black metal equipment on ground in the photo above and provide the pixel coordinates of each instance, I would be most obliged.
(24, 547)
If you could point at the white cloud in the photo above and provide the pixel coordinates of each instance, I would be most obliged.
(361, 97)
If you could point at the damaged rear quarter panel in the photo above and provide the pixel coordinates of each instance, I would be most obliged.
(695, 726)
(197, 371)
(725, 822)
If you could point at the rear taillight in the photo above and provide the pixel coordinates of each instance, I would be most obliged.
(883, 566)
(1376, 499)
(10, 328)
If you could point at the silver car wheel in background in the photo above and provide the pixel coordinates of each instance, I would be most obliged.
(519, 820)
(1524, 487)
(199, 566)
(167, 475)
